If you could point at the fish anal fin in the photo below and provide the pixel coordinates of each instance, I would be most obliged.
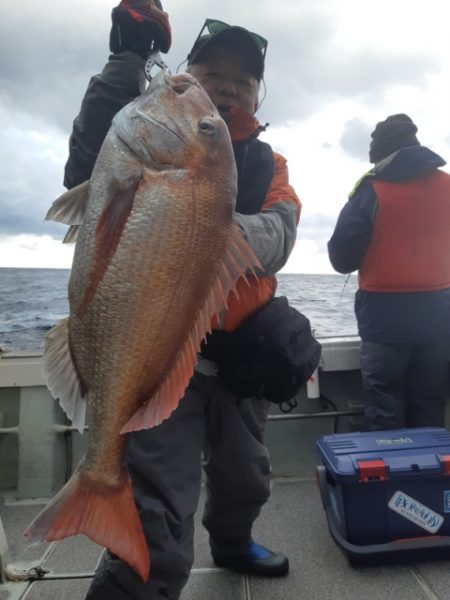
(107, 516)
(61, 375)
(70, 207)
(239, 259)
(116, 210)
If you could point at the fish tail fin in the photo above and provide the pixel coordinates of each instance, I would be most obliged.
(106, 515)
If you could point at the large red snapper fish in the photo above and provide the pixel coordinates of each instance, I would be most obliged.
(157, 254)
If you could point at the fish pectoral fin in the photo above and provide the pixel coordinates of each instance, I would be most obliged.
(61, 375)
(239, 259)
(70, 207)
(106, 515)
(116, 210)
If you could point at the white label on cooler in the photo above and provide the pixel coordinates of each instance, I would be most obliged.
(415, 511)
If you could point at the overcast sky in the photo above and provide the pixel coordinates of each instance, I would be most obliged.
(334, 69)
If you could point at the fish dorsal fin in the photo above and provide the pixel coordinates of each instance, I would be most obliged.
(71, 235)
(70, 207)
(61, 376)
(238, 259)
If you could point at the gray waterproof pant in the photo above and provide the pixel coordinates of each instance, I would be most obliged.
(405, 385)
(165, 464)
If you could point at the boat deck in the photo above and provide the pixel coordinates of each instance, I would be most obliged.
(293, 521)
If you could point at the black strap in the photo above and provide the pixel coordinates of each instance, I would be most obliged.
(256, 168)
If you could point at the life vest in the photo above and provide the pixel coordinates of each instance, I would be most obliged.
(256, 167)
(409, 248)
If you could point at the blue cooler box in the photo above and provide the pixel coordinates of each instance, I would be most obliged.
(387, 493)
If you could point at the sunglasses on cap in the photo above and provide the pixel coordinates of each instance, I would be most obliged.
(213, 27)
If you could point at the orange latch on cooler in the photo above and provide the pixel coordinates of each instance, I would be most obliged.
(445, 459)
(372, 470)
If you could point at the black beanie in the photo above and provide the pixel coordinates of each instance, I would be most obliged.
(397, 131)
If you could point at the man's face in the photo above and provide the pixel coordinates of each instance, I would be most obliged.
(225, 75)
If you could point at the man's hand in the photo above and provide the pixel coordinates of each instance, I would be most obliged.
(140, 26)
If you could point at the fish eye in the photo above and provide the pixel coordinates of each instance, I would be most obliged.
(206, 126)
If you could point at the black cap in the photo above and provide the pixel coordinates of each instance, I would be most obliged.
(235, 37)
(397, 131)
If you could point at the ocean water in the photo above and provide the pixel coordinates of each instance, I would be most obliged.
(33, 300)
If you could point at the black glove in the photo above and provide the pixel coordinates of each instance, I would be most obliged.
(140, 26)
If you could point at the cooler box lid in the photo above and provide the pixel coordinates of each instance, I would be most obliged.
(384, 455)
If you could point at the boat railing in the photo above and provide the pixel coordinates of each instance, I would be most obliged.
(47, 447)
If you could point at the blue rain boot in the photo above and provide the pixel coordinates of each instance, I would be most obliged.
(257, 560)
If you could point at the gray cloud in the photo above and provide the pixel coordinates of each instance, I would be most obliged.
(355, 139)
(16, 220)
(320, 76)
(50, 64)
(31, 164)
(48, 68)
(54, 47)
(316, 226)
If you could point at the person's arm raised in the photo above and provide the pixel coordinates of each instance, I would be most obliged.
(138, 28)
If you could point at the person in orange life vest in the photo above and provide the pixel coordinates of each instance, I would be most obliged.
(395, 229)
(165, 462)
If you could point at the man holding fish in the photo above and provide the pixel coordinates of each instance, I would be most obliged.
(166, 441)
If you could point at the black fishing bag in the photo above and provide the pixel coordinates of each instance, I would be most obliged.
(271, 355)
